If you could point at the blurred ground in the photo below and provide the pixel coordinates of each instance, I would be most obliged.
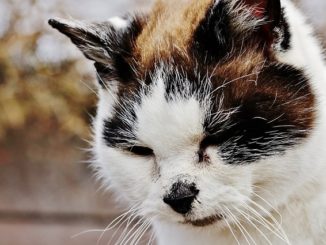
(47, 192)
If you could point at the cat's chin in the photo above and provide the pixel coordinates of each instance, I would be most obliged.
(203, 222)
(217, 220)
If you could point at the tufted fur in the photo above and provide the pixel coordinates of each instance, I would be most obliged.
(226, 95)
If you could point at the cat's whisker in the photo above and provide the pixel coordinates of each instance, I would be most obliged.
(243, 230)
(100, 230)
(275, 223)
(129, 221)
(266, 213)
(275, 228)
(118, 220)
(231, 230)
(269, 227)
(101, 80)
(151, 239)
(86, 232)
(267, 203)
(138, 231)
(141, 233)
(130, 233)
(127, 238)
(256, 227)
(118, 229)
(90, 89)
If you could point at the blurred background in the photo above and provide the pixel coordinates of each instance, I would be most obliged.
(47, 100)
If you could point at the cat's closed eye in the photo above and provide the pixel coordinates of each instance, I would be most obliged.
(141, 151)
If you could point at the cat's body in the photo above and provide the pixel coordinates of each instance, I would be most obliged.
(215, 129)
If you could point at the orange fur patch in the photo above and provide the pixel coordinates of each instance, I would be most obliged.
(171, 26)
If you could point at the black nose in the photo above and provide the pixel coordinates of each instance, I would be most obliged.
(181, 197)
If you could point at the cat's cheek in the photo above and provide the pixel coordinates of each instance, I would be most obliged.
(225, 184)
(229, 183)
(127, 175)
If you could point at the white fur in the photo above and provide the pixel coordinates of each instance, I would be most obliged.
(118, 22)
(294, 184)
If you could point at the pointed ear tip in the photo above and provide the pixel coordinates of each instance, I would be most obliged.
(55, 23)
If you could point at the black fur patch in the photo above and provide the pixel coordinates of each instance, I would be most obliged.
(263, 124)
(119, 131)
(183, 84)
(215, 37)
(212, 40)
(285, 33)
(121, 51)
(110, 49)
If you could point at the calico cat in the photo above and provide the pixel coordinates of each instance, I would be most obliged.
(211, 120)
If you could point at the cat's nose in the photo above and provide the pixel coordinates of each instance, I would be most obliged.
(181, 197)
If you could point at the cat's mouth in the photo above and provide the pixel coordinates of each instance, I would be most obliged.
(205, 221)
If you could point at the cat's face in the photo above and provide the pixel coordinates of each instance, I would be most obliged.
(197, 122)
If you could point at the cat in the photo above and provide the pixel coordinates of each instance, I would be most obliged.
(211, 120)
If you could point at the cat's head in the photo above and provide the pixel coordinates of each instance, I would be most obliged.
(196, 117)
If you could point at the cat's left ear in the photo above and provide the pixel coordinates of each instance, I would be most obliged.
(271, 24)
(269, 10)
(109, 44)
(230, 22)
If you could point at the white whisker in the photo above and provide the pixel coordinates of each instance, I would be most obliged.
(242, 229)
(231, 230)
(151, 239)
(91, 89)
(279, 226)
(276, 229)
(257, 228)
(143, 232)
(131, 232)
(130, 220)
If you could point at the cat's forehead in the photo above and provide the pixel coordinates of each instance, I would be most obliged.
(170, 26)
(176, 118)
(206, 34)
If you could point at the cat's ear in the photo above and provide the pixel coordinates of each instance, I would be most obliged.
(269, 10)
(230, 21)
(270, 18)
(109, 44)
(92, 39)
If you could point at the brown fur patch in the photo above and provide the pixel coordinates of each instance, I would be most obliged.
(171, 27)
(251, 77)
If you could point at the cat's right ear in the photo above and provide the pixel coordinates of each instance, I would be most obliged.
(109, 44)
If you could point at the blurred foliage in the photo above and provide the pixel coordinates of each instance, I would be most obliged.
(52, 96)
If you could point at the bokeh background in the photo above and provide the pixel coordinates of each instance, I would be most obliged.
(47, 100)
